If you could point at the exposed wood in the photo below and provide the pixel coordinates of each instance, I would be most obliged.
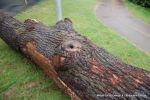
(45, 64)
(78, 67)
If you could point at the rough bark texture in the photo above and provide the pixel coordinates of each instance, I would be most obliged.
(79, 68)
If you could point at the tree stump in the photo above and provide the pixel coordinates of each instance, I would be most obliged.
(78, 67)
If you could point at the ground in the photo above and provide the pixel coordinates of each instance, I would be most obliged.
(21, 80)
(120, 19)
(142, 13)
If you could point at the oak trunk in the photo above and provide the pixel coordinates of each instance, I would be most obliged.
(76, 65)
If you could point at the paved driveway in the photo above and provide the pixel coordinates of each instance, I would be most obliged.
(14, 6)
(114, 14)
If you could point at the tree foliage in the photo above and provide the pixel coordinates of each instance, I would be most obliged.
(143, 3)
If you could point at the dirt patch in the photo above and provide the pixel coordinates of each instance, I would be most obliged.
(9, 94)
(31, 85)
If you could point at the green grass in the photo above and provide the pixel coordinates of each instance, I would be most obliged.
(21, 80)
(141, 12)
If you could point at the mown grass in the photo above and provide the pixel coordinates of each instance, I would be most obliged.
(141, 12)
(21, 80)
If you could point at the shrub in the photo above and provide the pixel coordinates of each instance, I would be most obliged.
(143, 3)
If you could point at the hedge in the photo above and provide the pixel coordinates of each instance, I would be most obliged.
(143, 3)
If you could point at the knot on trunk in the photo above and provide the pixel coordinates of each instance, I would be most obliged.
(71, 46)
(30, 24)
(65, 52)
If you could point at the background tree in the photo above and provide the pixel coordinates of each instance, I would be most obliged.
(143, 3)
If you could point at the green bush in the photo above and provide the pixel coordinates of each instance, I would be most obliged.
(143, 3)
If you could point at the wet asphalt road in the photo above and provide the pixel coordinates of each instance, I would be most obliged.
(12, 7)
(114, 14)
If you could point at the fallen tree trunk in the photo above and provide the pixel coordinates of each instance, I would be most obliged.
(77, 66)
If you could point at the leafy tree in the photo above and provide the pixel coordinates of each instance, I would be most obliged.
(143, 3)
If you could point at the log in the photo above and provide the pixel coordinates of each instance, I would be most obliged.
(78, 67)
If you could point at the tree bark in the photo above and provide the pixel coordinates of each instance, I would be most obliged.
(77, 66)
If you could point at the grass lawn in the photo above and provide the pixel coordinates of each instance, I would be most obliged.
(20, 80)
(141, 12)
